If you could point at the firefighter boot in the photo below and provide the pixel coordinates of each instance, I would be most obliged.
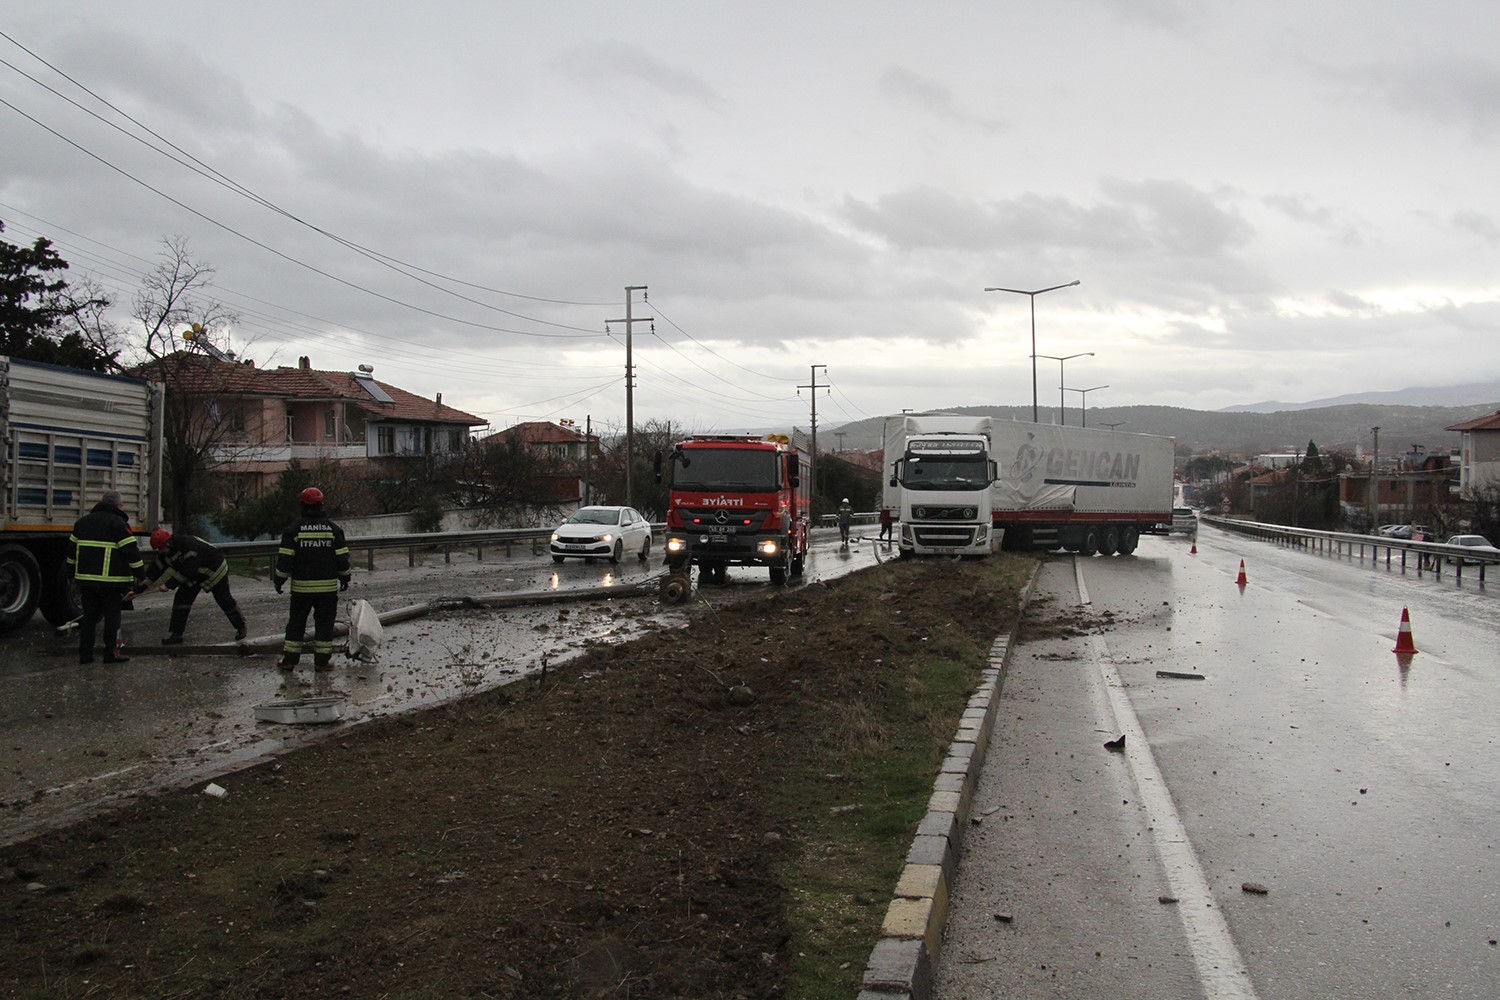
(237, 619)
(176, 626)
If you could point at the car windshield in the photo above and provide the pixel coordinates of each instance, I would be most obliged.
(595, 515)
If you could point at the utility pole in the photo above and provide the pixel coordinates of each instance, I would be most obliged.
(629, 320)
(1374, 482)
(812, 490)
(588, 454)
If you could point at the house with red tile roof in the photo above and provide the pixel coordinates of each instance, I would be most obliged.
(258, 421)
(1479, 453)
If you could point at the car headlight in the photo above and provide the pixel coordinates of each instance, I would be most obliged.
(607, 537)
(554, 537)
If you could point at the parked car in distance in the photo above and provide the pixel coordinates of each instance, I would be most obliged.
(1405, 531)
(1184, 521)
(602, 532)
(1477, 544)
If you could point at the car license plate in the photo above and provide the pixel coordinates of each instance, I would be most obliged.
(574, 546)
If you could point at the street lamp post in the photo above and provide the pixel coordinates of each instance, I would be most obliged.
(1083, 399)
(1062, 417)
(1033, 295)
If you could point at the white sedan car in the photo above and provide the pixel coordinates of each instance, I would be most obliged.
(1477, 544)
(607, 532)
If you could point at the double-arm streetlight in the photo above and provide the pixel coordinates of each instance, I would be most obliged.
(1033, 295)
(1062, 417)
(1083, 399)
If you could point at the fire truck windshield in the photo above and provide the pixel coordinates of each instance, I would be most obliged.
(710, 469)
(945, 472)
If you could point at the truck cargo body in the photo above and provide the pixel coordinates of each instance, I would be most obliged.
(69, 435)
(1078, 488)
(938, 471)
(737, 501)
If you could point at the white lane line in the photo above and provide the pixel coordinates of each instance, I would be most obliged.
(1221, 971)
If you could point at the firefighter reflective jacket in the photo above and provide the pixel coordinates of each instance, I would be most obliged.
(313, 555)
(102, 551)
(190, 561)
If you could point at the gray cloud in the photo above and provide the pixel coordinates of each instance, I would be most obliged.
(605, 64)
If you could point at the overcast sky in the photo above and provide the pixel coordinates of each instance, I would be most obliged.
(1268, 200)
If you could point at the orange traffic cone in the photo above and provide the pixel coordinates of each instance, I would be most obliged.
(1194, 550)
(1403, 637)
(1241, 580)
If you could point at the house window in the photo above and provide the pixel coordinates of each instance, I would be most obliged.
(235, 417)
(385, 440)
(455, 440)
(329, 430)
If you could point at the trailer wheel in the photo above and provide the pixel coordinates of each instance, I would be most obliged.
(1129, 539)
(1090, 544)
(20, 587)
(1109, 544)
(60, 602)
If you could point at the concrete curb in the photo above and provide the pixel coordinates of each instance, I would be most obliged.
(911, 936)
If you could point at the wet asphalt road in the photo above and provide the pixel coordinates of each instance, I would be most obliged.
(79, 737)
(1356, 787)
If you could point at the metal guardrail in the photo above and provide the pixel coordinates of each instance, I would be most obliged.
(1431, 556)
(534, 539)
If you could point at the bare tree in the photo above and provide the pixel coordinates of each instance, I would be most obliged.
(174, 298)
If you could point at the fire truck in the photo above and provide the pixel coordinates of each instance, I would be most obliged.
(736, 501)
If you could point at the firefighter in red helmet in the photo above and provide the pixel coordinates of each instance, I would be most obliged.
(315, 558)
(189, 565)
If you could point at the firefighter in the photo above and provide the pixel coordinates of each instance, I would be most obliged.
(190, 565)
(315, 557)
(846, 518)
(105, 560)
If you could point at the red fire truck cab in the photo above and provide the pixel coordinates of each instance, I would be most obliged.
(736, 501)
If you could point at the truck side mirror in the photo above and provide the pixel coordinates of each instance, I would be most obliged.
(793, 476)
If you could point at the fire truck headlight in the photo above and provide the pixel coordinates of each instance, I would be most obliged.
(769, 547)
(676, 544)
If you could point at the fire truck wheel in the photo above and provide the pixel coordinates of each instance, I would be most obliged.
(675, 588)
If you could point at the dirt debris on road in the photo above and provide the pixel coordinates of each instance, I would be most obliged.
(667, 818)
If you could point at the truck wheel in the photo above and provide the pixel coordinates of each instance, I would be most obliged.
(1109, 544)
(1090, 544)
(778, 575)
(1129, 539)
(20, 587)
(799, 562)
(60, 602)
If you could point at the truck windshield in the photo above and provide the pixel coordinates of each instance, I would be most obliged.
(945, 472)
(709, 469)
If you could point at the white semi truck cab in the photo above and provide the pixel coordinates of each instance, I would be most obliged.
(939, 470)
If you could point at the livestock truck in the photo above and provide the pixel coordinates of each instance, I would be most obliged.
(939, 468)
(736, 500)
(1085, 490)
(69, 435)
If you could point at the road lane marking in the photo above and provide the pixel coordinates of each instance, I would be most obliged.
(1221, 970)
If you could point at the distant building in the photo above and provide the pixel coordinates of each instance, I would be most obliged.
(264, 419)
(1479, 453)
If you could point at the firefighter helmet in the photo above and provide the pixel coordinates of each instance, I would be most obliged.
(310, 496)
(159, 538)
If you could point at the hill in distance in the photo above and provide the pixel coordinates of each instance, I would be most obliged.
(1344, 424)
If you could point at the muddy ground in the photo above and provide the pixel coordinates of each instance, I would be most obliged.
(627, 824)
